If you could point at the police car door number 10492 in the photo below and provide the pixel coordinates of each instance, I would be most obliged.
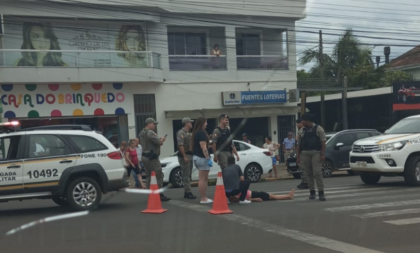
(43, 173)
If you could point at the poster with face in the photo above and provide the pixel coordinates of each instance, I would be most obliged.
(406, 96)
(53, 43)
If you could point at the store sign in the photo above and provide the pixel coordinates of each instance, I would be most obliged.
(56, 100)
(254, 97)
(406, 96)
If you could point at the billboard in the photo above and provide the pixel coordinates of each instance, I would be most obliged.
(87, 37)
(254, 97)
(406, 96)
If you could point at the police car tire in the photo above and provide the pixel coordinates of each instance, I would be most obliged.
(60, 201)
(410, 171)
(172, 179)
(69, 194)
(370, 178)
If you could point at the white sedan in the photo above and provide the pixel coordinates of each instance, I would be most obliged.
(254, 162)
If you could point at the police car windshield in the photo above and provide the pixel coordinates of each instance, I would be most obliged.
(406, 126)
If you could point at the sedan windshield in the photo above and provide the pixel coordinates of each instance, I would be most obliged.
(406, 126)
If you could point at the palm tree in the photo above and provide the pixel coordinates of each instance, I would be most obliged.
(348, 54)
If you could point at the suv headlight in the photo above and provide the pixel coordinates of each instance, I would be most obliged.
(393, 146)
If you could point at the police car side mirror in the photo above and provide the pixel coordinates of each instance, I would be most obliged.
(338, 145)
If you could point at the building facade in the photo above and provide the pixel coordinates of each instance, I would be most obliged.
(112, 65)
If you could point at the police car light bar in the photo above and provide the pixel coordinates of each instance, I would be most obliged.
(11, 123)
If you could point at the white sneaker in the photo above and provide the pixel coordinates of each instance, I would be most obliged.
(209, 201)
(245, 202)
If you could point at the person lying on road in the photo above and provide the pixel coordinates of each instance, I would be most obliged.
(255, 196)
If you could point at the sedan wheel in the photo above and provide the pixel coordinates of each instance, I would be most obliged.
(253, 172)
(327, 169)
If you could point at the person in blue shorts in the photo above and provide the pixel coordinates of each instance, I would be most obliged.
(272, 147)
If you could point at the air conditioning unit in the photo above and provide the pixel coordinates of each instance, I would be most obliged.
(1, 25)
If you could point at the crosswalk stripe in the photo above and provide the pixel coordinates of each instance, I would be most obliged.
(285, 191)
(370, 206)
(388, 213)
(404, 221)
(342, 191)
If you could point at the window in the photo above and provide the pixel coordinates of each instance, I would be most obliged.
(87, 144)
(41, 145)
(346, 139)
(362, 136)
(180, 43)
(240, 146)
(144, 107)
(248, 44)
(10, 147)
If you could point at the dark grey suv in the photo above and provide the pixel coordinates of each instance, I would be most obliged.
(338, 149)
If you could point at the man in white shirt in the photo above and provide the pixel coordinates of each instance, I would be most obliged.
(272, 147)
(139, 150)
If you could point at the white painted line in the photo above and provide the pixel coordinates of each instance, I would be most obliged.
(388, 213)
(370, 206)
(285, 191)
(344, 191)
(316, 240)
(404, 221)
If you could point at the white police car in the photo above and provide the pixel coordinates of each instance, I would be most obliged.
(71, 164)
(395, 153)
(254, 162)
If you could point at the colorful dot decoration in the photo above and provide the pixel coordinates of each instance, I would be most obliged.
(98, 112)
(117, 86)
(53, 87)
(56, 113)
(9, 115)
(76, 86)
(7, 87)
(96, 86)
(31, 87)
(33, 114)
(119, 111)
(77, 112)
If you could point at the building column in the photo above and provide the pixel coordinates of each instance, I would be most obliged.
(230, 47)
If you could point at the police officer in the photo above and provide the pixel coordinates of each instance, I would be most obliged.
(304, 183)
(222, 143)
(151, 151)
(183, 137)
(311, 153)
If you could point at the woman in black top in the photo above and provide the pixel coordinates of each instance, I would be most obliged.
(201, 158)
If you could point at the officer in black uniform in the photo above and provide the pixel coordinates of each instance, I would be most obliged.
(222, 142)
(311, 153)
(304, 183)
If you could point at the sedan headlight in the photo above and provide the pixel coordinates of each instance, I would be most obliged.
(392, 146)
(165, 164)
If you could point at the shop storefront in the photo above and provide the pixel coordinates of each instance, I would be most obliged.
(104, 107)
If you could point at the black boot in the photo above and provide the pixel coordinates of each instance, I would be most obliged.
(303, 186)
(321, 196)
(189, 195)
(164, 198)
(311, 194)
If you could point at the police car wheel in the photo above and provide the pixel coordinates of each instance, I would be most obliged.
(176, 178)
(412, 171)
(253, 172)
(83, 194)
(370, 177)
(60, 201)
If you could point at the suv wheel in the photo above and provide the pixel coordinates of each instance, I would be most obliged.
(327, 168)
(370, 178)
(60, 201)
(253, 172)
(83, 194)
(176, 178)
(412, 171)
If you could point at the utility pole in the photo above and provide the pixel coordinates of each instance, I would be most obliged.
(345, 118)
(321, 70)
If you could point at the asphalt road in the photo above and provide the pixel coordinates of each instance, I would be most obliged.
(355, 218)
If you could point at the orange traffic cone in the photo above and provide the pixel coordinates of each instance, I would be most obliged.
(154, 205)
(220, 205)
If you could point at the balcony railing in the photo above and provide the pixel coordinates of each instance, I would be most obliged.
(197, 62)
(78, 59)
(261, 62)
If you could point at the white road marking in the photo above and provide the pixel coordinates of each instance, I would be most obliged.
(285, 191)
(370, 206)
(278, 230)
(298, 194)
(404, 221)
(388, 213)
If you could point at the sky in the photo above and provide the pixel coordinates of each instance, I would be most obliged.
(377, 23)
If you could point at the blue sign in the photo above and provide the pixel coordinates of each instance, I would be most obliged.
(254, 97)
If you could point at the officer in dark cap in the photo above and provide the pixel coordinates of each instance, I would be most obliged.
(311, 153)
(222, 142)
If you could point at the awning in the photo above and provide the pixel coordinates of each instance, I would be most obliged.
(235, 112)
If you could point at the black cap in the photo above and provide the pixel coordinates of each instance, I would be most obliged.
(308, 117)
(299, 120)
(223, 116)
